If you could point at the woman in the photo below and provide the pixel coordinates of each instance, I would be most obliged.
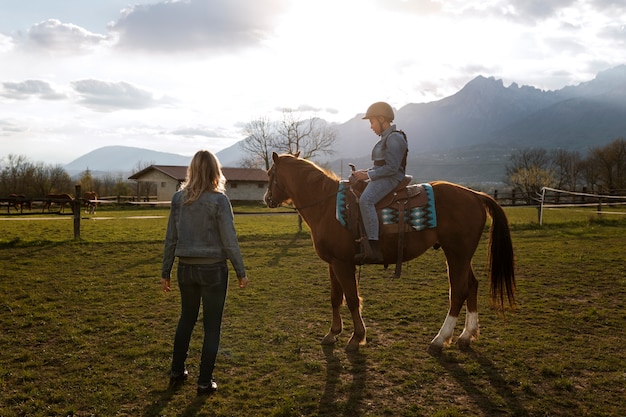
(201, 233)
(389, 157)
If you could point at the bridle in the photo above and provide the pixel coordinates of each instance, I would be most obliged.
(273, 181)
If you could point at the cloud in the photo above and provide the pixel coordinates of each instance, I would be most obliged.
(611, 6)
(417, 7)
(108, 96)
(66, 38)
(6, 43)
(175, 26)
(9, 129)
(197, 131)
(615, 32)
(520, 11)
(539, 9)
(30, 88)
(308, 108)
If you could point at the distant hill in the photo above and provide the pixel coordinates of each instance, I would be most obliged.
(122, 159)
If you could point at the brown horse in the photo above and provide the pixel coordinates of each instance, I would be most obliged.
(19, 201)
(90, 201)
(60, 199)
(461, 218)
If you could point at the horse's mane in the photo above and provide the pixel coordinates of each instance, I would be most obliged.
(314, 174)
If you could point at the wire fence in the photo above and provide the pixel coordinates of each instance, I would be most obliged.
(555, 198)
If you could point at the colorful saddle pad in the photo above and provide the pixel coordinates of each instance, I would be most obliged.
(418, 217)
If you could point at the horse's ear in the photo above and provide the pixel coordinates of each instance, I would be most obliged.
(297, 154)
(274, 156)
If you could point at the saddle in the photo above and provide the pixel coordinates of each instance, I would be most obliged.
(407, 208)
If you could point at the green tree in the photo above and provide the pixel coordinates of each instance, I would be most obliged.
(86, 180)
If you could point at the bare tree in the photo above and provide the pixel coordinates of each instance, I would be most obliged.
(531, 180)
(527, 158)
(60, 180)
(21, 176)
(529, 171)
(144, 187)
(567, 168)
(14, 174)
(121, 186)
(310, 137)
(259, 143)
(252, 162)
(609, 163)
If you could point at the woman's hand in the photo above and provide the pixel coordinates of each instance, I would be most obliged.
(166, 285)
(243, 282)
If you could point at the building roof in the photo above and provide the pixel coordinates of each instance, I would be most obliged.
(179, 173)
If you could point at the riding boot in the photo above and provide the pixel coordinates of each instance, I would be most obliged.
(371, 253)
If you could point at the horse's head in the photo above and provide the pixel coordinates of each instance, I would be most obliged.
(276, 193)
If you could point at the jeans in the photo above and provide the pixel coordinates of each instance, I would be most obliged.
(207, 284)
(374, 192)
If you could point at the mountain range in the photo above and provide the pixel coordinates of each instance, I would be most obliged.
(466, 138)
(123, 160)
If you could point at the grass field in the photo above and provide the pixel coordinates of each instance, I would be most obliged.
(87, 332)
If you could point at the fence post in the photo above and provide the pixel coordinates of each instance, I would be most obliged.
(76, 210)
(540, 208)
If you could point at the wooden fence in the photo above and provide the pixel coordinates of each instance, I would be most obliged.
(548, 198)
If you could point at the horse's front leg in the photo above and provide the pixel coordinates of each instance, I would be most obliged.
(336, 299)
(344, 273)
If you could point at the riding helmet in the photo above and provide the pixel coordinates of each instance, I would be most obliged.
(379, 108)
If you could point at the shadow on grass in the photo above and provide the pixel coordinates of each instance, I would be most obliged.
(483, 399)
(284, 249)
(163, 397)
(328, 403)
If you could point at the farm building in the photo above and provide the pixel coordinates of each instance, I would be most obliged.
(242, 184)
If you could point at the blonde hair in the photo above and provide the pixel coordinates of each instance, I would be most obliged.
(203, 174)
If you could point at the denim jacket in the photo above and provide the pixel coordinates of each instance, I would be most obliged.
(204, 229)
(388, 154)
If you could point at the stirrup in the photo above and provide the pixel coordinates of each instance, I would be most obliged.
(367, 254)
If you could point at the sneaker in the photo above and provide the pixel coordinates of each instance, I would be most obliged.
(207, 389)
(178, 379)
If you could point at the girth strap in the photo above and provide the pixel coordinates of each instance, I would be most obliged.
(401, 208)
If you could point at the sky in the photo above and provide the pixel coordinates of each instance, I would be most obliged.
(182, 75)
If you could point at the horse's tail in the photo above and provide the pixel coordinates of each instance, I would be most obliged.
(500, 255)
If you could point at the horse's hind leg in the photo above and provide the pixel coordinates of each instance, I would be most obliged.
(471, 330)
(458, 274)
(336, 299)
